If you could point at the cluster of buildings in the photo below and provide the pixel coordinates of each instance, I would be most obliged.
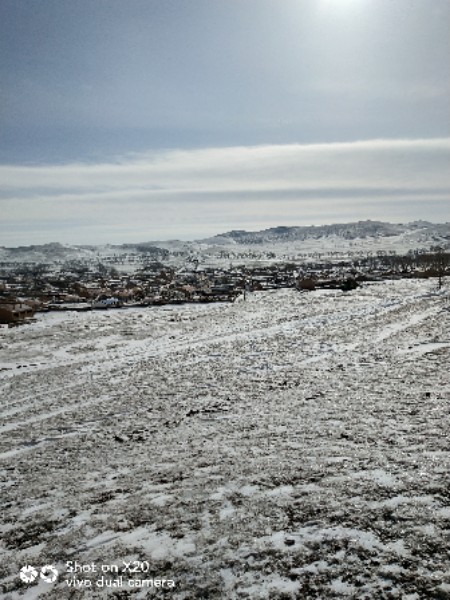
(28, 288)
(24, 291)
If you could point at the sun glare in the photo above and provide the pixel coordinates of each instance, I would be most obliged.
(339, 5)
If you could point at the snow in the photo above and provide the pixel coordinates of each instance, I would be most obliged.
(334, 243)
(291, 445)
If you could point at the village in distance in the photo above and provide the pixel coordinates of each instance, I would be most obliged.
(79, 278)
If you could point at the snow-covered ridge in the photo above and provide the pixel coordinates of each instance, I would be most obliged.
(281, 241)
(421, 231)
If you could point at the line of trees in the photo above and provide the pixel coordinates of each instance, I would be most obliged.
(435, 263)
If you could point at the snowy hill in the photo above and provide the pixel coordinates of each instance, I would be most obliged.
(350, 231)
(281, 243)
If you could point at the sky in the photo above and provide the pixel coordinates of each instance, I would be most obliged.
(136, 120)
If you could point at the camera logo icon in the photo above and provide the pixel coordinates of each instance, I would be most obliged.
(48, 573)
(28, 574)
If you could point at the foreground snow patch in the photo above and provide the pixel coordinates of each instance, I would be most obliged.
(289, 446)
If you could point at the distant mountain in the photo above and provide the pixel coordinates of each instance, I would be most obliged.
(45, 253)
(348, 231)
(278, 241)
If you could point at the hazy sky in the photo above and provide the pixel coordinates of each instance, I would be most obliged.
(132, 120)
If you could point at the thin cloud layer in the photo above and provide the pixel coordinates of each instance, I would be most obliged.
(186, 191)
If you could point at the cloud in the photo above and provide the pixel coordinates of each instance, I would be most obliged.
(373, 163)
(219, 187)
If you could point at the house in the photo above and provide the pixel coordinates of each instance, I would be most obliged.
(106, 302)
(15, 313)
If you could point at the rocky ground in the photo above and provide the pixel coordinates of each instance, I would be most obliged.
(295, 445)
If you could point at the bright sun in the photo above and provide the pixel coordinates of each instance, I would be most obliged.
(340, 6)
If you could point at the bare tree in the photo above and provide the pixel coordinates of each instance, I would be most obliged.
(440, 262)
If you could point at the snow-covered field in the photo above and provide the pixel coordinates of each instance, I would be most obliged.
(288, 446)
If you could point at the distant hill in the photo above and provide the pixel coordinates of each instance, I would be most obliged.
(348, 231)
(279, 242)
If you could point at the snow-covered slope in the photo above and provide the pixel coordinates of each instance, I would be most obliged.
(289, 446)
(420, 230)
(282, 243)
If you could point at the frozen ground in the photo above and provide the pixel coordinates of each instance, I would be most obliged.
(290, 446)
